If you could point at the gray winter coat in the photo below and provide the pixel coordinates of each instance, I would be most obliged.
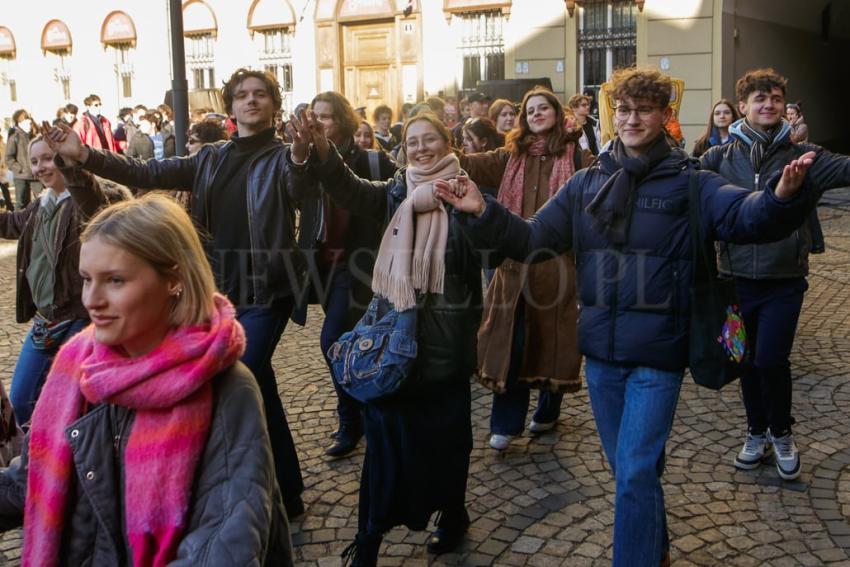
(236, 515)
(18, 154)
(789, 257)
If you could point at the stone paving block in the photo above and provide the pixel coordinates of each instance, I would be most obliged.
(527, 544)
(555, 492)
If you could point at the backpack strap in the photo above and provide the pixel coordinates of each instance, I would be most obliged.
(374, 165)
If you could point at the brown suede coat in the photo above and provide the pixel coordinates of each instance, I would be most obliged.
(550, 360)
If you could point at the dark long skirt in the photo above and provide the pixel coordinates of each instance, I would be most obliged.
(417, 458)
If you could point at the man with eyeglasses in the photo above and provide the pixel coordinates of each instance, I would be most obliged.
(94, 129)
(626, 220)
(771, 278)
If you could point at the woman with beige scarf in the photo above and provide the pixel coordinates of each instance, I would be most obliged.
(528, 336)
(419, 441)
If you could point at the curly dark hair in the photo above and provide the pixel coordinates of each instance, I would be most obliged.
(207, 132)
(520, 138)
(346, 119)
(647, 83)
(239, 76)
(760, 80)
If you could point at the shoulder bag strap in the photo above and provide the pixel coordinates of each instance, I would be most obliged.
(705, 265)
(374, 165)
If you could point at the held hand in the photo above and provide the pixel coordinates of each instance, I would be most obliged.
(64, 141)
(317, 131)
(793, 175)
(301, 139)
(462, 194)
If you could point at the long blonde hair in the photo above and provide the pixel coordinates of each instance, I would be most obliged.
(157, 229)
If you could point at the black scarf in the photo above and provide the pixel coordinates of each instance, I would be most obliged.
(611, 208)
(761, 141)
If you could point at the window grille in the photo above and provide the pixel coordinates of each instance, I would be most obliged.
(607, 40)
(124, 72)
(200, 60)
(275, 54)
(481, 46)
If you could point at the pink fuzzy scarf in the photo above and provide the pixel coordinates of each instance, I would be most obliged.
(170, 389)
(512, 189)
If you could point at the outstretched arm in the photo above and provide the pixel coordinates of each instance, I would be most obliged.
(360, 196)
(733, 214)
(492, 226)
(172, 173)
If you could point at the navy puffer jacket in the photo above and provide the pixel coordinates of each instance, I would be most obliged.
(635, 297)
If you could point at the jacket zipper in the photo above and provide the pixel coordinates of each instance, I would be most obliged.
(755, 246)
(248, 196)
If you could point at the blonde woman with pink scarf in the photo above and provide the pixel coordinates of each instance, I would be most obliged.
(528, 335)
(148, 446)
(418, 442)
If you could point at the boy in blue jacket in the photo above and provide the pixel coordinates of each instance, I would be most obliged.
(626, 219)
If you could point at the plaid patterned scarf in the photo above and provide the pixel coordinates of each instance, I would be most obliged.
(760, 141)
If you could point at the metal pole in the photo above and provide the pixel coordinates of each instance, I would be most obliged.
(179, 86)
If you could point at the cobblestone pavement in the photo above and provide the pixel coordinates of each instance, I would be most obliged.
(548, 500)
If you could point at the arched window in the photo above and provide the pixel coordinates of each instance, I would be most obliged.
(8, 51)
(56, 44)
(118, 35)
(200, 28)
(272, 25)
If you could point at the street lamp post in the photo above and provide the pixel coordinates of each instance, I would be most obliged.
(179, 86)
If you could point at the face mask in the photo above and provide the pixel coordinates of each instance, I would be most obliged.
(69, 118)
(94, 110)
(145, 127)
(25, 125)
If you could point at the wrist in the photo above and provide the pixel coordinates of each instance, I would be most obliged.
(482, 206)
(82, 156)
(300, 158)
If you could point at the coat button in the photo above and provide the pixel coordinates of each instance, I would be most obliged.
(75, 433)
(90, 475)
(542, 158)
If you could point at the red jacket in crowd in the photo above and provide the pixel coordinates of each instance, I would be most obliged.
(87, 130)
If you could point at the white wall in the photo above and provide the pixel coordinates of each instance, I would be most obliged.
(92, 67)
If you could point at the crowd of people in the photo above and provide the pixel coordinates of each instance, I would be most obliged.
(155, 432)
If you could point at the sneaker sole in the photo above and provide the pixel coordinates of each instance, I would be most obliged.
(542, 427)
(750, 465)
(789, 476)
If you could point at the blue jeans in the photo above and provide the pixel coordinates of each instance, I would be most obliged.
(507, 416)
(263, 329)
(336, 323)
(31, 371)
(633, 407)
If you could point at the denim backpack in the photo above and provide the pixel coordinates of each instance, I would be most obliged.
(375, 359)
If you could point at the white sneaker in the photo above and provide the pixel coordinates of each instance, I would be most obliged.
(500, 442)
(755, 450)
(536, 427)
(787, 456)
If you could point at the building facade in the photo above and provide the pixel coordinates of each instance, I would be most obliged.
(397, 51)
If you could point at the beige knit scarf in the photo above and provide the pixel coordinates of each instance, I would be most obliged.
(413, 249)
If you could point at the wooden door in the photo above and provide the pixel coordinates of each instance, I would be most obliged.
(370, 78)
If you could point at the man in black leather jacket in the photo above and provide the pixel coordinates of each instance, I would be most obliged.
(243, 199)
(771, 278)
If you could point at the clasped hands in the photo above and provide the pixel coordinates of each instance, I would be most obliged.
(461, 193)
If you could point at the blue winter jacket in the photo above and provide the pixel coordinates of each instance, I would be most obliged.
(634, 298)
